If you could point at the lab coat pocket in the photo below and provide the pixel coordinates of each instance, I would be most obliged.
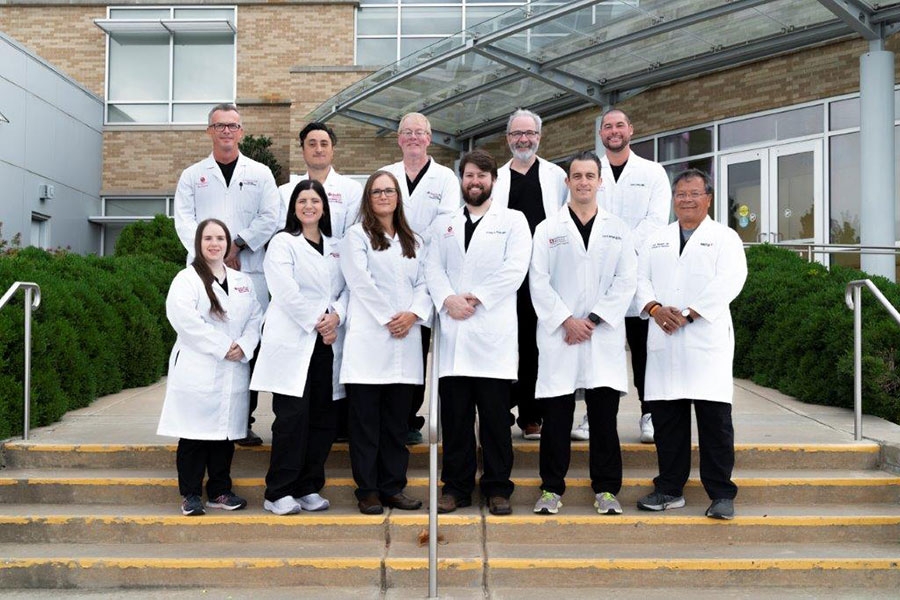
(656, 338)
(192, 371)
(708, 335)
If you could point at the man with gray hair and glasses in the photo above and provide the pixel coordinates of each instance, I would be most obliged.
(239, 191)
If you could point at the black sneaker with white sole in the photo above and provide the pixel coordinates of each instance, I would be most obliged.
(659, 501)
(192, 506)
(723, 508)
(227, 501)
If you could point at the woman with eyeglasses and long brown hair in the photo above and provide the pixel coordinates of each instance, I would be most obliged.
(383, 265)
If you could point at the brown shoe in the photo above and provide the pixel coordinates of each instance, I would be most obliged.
(498, 505)
(370, 505)
(403, 502)
(448, 503)
(531, 431)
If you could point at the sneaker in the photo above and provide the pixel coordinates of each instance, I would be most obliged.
(283, 506)
(532, 431)
(582, 432)
(413, 437)
(723, 508)
(548, 503)
(646, 429)
(606, 504)
(250, 440)
(192, 506)
(227, 501)
(660, 501)
(313, 502)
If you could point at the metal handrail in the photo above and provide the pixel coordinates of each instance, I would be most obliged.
(30, 303)
(853, 298)
(433, 433)
(811, 248)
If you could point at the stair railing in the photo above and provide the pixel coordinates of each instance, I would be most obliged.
(433, 434)
(32, 301)
(853, 298)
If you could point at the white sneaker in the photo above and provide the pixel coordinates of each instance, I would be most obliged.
(313, 502)
(583, 431)
(283, 506)
(646, 429)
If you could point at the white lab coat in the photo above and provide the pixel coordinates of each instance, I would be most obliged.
(553, 186)
(642, 197)
(206, 395)
(696, 361)
(304, 285)
(382, 284)
(344, 196)
(486, 344)
(437, 193)
(249, 207)
(567, 280)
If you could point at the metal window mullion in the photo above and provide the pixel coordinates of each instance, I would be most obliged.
(399, 32)
(171, 71)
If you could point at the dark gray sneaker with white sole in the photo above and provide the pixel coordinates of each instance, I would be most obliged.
(723, 508)
(659, 501)
(227, 501)
(192, 506)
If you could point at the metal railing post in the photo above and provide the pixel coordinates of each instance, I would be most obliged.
(32, 301)
(433, 435)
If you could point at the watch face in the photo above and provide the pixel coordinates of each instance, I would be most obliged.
(686, 312)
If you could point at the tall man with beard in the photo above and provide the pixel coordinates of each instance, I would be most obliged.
(476, 262)
(536, 188)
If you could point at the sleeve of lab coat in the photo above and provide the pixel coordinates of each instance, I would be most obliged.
(516, 259)
(249, 339)
(279, 270)
(439, 286)
(657, 215)
(550, 308)
(265, 223)
(351, 215)
(451, 195)
(731, 272)
(354, 266)
(185, 213)
(615, 300)
(421, 302)
(182, 311)
(645, 292)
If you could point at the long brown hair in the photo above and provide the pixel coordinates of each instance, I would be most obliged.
(372, 226)
(203, 270)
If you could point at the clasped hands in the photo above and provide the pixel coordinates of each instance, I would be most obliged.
(461, 306)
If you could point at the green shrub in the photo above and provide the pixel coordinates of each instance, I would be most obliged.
(157, 238)
(257, 148)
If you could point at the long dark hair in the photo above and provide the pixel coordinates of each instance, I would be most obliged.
(203, 270)
(372, 226)
(292, 224)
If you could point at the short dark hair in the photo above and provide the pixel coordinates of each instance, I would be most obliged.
(292, 224)
(694, 174)
(316, 126)
(587, 155)
(225, 107)
(612, 110)
(481, 159)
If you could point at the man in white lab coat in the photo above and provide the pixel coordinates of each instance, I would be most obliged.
(537, 188)
(428, 189)
(242, 193)
(637, 191)
(477, 260)
(688, 274)
(583, 276)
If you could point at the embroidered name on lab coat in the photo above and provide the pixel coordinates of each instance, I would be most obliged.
(638, 184)
(707, 244)
(659, 245)
(612, 237)
(433, 195)
(558, 240)
(334, 254)
(496, 232)
(335, 197)
(249, 182)
(242, 289)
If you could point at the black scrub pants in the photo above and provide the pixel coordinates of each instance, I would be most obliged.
(636, 333)
(523, 388)
(196, 457)
(460, 397)
(604, 451)
(303, 431)
(672, 436)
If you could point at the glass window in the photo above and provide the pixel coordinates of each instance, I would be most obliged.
(429, 20)
(779, 126)
(843, 114)
(376, 21)
(686, 143)
(644, 149)
(704, 164)
(134, 207)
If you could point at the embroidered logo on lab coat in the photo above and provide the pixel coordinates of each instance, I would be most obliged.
(203, 181)
(450, 232)
(335, 197)
(558, 241)
(242, 289)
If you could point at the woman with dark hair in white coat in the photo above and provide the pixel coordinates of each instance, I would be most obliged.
(381, 259)
(216, 315)
(300, 352)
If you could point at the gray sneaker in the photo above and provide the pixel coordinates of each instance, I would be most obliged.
(606, 504)
(723, 508)
(658, 501)
(548, 503)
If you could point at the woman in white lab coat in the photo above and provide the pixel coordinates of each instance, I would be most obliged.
(381, 259)
(216, 315)
(300, 351)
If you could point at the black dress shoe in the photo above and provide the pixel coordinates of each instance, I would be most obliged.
(370, 505)
(251, 440)
(403, 502)
(448, 503)
(498, 505)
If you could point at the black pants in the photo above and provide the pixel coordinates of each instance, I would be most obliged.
(672, 434)
(523, 388)
(460, 397)
(415, 421)
(636, 334)
(604, 450)
(196, 457)
(303, 432)
(378, 453)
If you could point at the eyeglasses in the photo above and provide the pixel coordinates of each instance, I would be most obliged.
(419, 133)
(389, 192)
(692, 195)
(530, 133)
(220, 127)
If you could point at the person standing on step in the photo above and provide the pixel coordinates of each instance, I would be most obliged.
(536, 188)
(637, 191)
(242, 193)
(382, 262)
(299, 355)
(583, 277)
(428, 189)
(688, 274)
(476, 262)
(216, 316)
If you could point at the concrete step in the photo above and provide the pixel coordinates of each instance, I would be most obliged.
(27, 455)
(133, 486)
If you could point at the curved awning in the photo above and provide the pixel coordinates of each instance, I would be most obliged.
(557, 58)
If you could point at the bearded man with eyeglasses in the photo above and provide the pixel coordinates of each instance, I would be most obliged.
(239, 191)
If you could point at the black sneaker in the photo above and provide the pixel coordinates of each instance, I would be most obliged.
(227, 501)
(660, 501)
(192, 506)
(723, 508)
(251, 440)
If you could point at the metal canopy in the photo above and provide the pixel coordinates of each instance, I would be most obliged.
(560, 58)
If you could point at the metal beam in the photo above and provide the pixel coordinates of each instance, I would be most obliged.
(441, 138)
(473, 91)
(856, 15)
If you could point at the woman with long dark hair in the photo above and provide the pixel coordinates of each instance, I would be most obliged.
(300, 352)
(382, 261)
(217, 316)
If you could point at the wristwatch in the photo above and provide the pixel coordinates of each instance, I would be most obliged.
(593, 318)
(686, 313)
(240, 243)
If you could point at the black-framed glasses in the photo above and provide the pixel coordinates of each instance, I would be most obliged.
(389, 192)
(220, 127)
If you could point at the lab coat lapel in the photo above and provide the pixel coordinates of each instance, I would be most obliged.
(458, 223)
(212, 169)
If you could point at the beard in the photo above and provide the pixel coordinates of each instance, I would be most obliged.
(475, 195)
(524, 154)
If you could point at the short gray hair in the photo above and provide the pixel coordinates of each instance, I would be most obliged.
(225, 106)
(521, 112)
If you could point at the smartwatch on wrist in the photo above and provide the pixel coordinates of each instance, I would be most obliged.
(240, 243)
(593, 318)
(686, 313)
